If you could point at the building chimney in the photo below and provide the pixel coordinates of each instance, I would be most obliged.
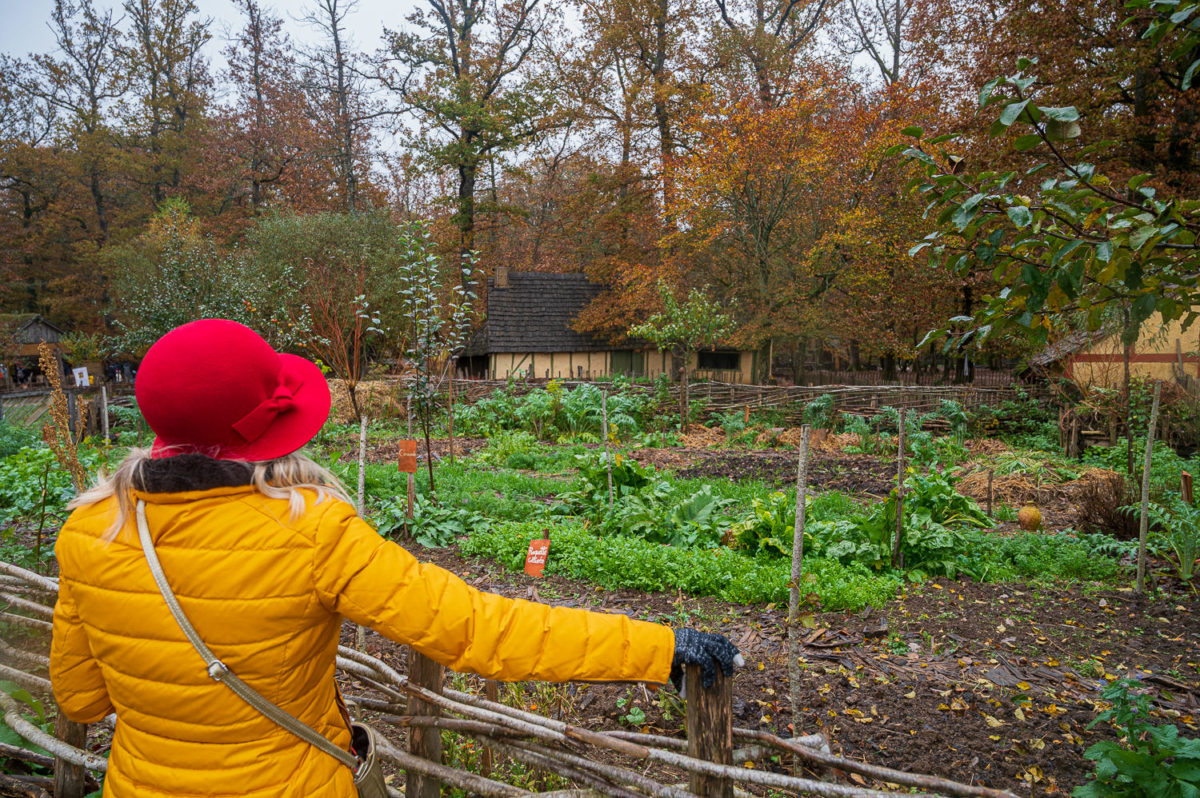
(502, 277)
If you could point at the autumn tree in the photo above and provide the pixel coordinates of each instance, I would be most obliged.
(337, 275)
(464, 69)
(263, 139)
(333, 78)
(81, 81)
(171, 89)
(28, 183)
(765, 38)
(436, 311)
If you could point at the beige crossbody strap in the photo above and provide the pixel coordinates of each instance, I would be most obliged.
(219, 671)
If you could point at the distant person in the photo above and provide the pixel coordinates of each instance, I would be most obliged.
(267, 556)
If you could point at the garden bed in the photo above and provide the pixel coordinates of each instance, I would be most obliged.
(933, 685)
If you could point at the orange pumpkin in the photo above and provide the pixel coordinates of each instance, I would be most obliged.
(1030, 518)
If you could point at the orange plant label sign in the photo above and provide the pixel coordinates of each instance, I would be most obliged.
(408, 457)
(535, 558)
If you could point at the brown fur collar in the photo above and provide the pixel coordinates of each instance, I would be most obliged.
(191, 472)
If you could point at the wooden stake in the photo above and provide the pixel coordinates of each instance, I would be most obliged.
(794, 676)
(412, 495)
(362, 464)
(1185, 486)
(1144, 526)
(73, 415)
(991, 474)
(69, 780)
(450, 412)
(360, 632)
(897, 559)
(709, 731)
(104, 411)
(491, 692)
(424, 742)
(604, 433)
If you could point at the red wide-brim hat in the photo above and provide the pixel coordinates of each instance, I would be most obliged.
(215, 387)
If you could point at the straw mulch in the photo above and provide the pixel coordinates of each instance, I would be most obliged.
(375, 398)
(982, 447)
(819, 440)
(1018, 489)
(701, 437)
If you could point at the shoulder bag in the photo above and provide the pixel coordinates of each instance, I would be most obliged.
(368, 773)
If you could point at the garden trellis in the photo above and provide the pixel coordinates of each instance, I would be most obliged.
(616, 763)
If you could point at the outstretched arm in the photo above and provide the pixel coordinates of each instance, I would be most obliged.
(375, 582)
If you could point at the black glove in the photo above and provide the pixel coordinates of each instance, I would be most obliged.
(706, 650)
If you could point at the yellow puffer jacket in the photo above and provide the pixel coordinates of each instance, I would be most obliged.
(268, 594)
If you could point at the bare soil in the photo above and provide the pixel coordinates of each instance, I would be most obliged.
(989, 684)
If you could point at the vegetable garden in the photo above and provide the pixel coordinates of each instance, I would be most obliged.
(1018, 659)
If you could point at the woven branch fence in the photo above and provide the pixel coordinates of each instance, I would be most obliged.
(617, 763)
(863, 400)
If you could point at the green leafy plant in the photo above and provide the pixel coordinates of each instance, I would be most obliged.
(632, 715)
(769, 528)
(821, 412)
(433, 525)
(1180, 525)
(34, 711)
(620, 561)
(1145, 760)
(14, 438)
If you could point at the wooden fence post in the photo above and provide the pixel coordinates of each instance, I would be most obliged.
(709, 730)
(104, 411)
(604, 434)
(72, 415)
(491, 692)
(69, 780)
(424, 742)
(1145, 515)
(897, 558)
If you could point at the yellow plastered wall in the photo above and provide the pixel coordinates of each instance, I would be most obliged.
(566, 365)
(556, 365)
(1155, 356)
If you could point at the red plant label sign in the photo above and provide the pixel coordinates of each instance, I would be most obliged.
(408, 457)
(535, 558)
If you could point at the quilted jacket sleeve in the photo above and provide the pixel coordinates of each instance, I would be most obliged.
(375, 582)
(79, 686)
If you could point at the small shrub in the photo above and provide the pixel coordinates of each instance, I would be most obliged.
(433, 525)
(1146, 760)
(14, 438)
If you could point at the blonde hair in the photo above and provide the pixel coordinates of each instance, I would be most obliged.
(282, 478)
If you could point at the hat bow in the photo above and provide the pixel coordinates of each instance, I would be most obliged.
(254, 424)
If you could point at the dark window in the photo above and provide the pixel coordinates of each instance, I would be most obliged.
(718, 361)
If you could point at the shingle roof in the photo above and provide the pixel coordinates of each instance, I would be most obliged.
(24, 327)
(535, 313)
(1069, 345)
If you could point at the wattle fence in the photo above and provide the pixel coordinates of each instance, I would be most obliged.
(863, 400)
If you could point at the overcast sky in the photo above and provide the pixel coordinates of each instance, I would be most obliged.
(24, 29)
